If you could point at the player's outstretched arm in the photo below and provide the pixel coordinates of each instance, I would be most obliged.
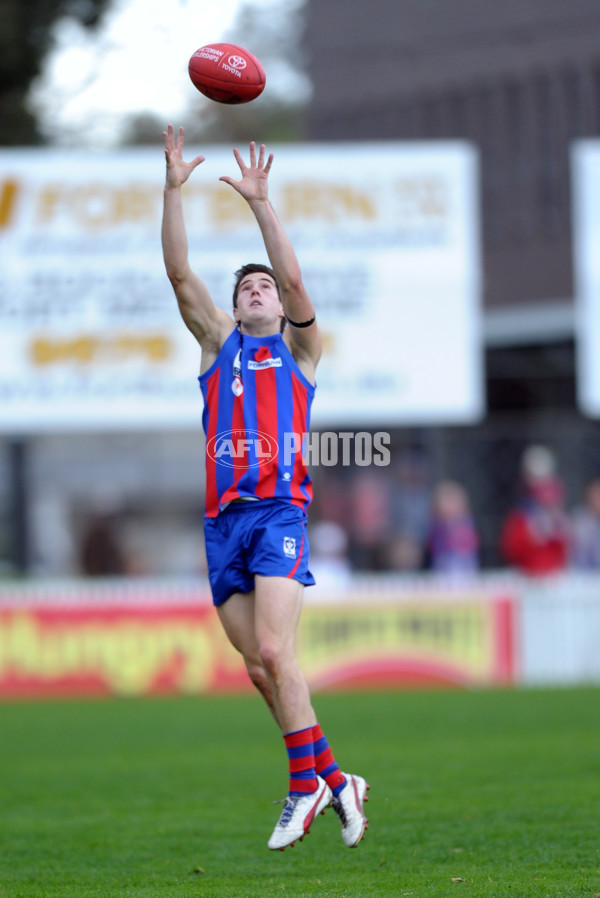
(209, 325)
(254, 188)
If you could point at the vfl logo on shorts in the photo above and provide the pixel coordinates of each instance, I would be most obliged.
(289, 546)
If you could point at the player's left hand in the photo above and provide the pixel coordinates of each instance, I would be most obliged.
(255, 177)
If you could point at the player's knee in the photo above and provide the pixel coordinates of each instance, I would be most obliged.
(272, 658)
(257, 675)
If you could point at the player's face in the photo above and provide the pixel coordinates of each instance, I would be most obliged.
(258, 299)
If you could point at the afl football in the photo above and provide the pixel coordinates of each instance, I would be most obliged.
(227, 73)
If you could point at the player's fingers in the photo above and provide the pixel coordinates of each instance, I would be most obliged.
(269, 164)
(238, 158)
(252, 154)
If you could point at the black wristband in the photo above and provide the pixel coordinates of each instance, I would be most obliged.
(301, 324)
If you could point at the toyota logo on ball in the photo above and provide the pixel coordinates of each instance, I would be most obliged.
(237, 62)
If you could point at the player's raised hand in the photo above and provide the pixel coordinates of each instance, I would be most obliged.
(254, 184)
(178, 171)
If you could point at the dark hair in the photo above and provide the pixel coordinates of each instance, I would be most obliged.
(251, 268)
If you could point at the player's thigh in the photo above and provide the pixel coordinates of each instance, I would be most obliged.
(237, 616)
(278, 604)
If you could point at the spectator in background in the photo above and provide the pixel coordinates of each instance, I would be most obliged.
(330, 564)
(404, 553)
(452, 542)
(101, 554)
(535, 534)
(585, 532)
(411, 510)
(370, 519)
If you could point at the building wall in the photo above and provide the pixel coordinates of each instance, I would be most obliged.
(520, 80)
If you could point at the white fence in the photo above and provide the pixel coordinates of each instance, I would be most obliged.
(558, 631)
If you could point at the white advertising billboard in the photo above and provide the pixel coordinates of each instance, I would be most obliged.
(387, 235)
(585, 159)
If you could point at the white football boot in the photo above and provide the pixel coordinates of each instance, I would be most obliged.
(348, 805)
(298, 814)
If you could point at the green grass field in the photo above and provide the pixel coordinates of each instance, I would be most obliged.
(472, 794)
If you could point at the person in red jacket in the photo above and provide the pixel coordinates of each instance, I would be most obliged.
(535, 534)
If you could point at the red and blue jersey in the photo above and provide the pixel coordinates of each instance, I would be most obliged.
(256, 413)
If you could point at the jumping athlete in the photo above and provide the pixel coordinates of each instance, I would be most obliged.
(257, 377)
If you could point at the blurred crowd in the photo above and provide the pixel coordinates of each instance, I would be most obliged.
(370, 520)
(411, 526)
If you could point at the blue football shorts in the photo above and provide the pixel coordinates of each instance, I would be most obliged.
(266, 537)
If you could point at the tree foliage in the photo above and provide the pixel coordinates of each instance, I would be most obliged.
(273, 33)
(25, 38)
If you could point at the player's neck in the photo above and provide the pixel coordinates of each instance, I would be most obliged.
(265, 329)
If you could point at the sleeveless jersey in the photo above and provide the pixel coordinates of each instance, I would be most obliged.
(257, 407)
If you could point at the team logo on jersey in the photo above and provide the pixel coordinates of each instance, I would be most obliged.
(237, 386)
(242, 448)
(289, 546)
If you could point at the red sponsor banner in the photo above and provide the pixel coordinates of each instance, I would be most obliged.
(100, 650)
(431, 640)
(96, 644)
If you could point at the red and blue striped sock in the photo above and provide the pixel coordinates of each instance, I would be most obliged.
(325, 764)
(301, 754)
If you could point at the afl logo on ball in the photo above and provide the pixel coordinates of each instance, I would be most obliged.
(237, 62)
(242, 449)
